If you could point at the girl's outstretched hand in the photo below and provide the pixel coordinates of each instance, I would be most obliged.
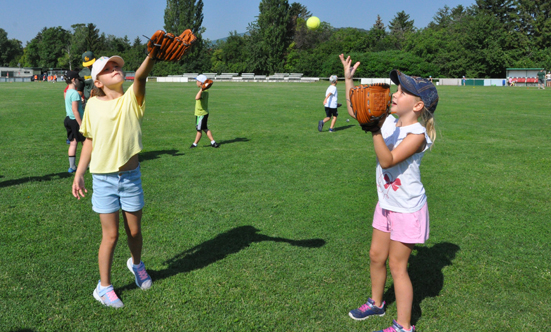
(349, 70)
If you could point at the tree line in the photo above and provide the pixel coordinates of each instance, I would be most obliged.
(478, 41)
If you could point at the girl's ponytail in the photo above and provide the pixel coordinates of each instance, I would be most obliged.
(427, 120)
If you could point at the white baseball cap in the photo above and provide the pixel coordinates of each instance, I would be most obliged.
(100, 63)
(201, 78)
(333, 78)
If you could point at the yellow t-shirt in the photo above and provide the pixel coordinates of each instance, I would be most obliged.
(115, 129)
(202, 105)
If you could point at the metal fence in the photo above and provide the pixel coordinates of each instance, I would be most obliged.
(14, 79)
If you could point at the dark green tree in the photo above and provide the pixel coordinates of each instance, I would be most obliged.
(535, 22)
(52, 46)
(230, 55)
(400, 26)
(272, 22)
(134, 56)
(30, 53)
(11, 50)
(503, 10)
(179, 16)
(296, 12)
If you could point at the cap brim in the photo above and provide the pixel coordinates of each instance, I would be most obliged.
(115, 58)
(89, 63)
(396, 78)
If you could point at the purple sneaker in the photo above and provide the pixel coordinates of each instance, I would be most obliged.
(397, 328)
(367, 310)
(108, 297)
(143, 280)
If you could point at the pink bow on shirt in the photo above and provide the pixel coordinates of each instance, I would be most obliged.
(395, 184)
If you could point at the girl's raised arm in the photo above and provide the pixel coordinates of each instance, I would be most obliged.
(141, 78)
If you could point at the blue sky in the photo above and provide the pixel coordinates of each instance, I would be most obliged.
(23, 19)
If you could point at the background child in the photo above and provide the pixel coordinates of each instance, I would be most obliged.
(73, 119)
(112, 127)
(330, 103)
(401, 217)
(202, 113)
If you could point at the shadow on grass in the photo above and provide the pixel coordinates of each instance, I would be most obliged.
(48, 177)
(55, 176)
(218, 248)
(235, 140)
(23, 330)
(425, 272)
(344, 127)
(155, 154)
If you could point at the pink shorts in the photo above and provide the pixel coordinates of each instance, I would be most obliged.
(403, 227)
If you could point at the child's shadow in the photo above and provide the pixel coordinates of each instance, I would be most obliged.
(155, 154)
(343, 127)
(235, 140)
(425, 272)
(218, 248)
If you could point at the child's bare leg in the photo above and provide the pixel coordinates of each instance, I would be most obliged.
(73, 148)
(197, 137)
(110, 235)
(398, 263)
(133, 228)
(333, 122)
(378, 254)
(209, 135)
(326, 119)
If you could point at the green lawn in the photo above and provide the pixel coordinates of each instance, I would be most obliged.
(271, 232)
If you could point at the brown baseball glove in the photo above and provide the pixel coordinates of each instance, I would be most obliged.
(164, 46)
(208, 83)
(370, 104)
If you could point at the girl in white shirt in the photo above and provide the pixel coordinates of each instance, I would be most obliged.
(401, 217)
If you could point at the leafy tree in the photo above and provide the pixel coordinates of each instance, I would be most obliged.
(305, 38)
(255, 49)
(230, 55)
(52, 46)
(400, 26)
(272, 22)
(30, 53)
(296, 12)
(179, 16)
(535, 22)
(183, 14)
(503, 10)
(117, 45)
(379, 25)
(10, 50)
(134, 56)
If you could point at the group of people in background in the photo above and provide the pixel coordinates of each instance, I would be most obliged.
(542, 76)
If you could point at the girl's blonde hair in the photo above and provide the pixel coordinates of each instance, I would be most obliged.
(427, 120)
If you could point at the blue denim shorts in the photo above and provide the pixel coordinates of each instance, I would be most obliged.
(115, 191)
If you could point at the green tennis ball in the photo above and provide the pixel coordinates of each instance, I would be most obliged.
(313, 23)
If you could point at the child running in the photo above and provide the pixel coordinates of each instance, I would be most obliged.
(112, 127)
(401, 217)
(330, 103)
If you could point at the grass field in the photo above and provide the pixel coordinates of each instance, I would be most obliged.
(271, 232)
